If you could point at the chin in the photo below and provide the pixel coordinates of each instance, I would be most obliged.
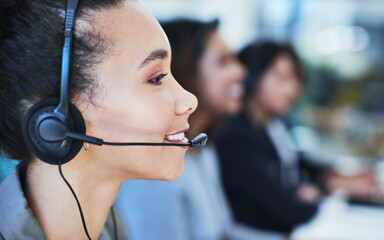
(233, 108)
(170, 171)
(280, 113)
(170, 176)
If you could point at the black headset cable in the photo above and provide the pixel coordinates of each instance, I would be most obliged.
(77, 201)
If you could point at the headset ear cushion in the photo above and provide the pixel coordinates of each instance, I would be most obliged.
(46, 151)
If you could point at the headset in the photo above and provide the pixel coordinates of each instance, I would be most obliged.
(54, 129)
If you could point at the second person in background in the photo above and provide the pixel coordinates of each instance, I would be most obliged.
(194, 206)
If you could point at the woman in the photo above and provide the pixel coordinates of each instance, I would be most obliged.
(261, 167)
(261, 193)
(194, 205)
(125, 92)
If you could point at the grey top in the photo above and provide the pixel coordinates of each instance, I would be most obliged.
(18, 222)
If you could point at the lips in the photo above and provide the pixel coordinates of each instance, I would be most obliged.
(177, 137)
(236, 90)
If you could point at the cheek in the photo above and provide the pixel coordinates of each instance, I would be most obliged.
(271, 94)
(280, 99)
(213, 93)
(130, 116)
(289, 92)
(215, 86)
(295, 92)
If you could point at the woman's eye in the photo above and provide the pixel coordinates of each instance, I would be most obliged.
(157, 80)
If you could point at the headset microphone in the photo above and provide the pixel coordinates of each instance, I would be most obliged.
(198, 141)
(52, 130)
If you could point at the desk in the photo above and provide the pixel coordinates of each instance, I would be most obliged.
(338, 220)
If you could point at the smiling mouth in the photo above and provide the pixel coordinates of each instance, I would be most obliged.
(236, 91)
(176, 138)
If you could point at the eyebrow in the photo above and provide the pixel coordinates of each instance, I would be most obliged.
(155, 55)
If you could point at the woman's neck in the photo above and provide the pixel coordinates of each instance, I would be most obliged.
(257, 114)
(55, 207)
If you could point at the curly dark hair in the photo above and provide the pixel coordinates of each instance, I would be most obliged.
(30, 61)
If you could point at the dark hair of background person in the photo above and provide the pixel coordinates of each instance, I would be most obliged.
(188, 39)
(259, 57)
(30, 61)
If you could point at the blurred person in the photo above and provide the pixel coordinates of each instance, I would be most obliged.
(260, 165)
(121, 89)
(194, 206)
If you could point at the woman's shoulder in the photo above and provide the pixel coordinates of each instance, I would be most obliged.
(16, 218)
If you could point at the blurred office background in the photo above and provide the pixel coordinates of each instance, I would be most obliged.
(340, 42)
(340, 116)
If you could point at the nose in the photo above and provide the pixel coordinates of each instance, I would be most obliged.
(186, 102)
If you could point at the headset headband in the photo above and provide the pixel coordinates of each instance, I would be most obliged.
(62, 108)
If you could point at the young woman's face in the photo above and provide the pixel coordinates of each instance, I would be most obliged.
(220, 77)
(137, 99)
(279, 87)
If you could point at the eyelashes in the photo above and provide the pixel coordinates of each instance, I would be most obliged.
(157, 80)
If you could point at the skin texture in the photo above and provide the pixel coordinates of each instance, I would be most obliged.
(129, 105)
(220, 77)
(219, 83)
(278, 88)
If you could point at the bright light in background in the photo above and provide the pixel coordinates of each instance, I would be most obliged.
(238, 18)
(360, 38)
(328, 42)
(276, 12)
(322, 31)
(342, 38)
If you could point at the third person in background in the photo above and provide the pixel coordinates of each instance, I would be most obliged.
(260, 164)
